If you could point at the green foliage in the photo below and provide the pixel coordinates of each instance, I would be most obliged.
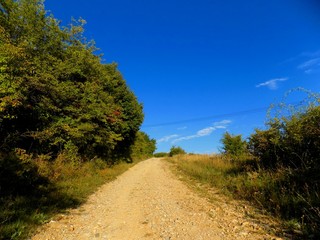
(160, 154)
(176, 151)
(290, 147)
(233, 146)
(281, 174)
(290, 141)
(69, 187)
(274, 191)
(61, 108)
(55, 91)
(19, 175)
(143, 146)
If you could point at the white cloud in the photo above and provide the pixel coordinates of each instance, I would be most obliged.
(308, 71)
(222, 123)
(205, 131)
(220, 127)
(310, 65)
(184, 138)
(167, 138)
(201, 133)
(314, 54)
(272, 84)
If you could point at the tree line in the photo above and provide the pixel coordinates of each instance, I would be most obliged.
(57, 98)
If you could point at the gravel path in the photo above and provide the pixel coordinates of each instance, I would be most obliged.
(150, 202)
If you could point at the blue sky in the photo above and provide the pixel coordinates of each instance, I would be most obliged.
(203, 67)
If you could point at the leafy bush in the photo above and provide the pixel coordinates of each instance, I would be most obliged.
(283, 176)
(274, 191)
(291, 147)
(291, 141)
(160, 154)
(29, 200)
(19, 174)
(176, 151)
(143, 146)
(234, 146)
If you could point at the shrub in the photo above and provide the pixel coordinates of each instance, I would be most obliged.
(290, 147)
(160, 154)
(143, 146)
(290, 141)
(234, 146)
(176, 151)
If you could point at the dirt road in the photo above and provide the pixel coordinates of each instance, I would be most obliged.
(150, 202)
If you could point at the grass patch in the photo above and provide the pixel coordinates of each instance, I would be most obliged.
(69, 187)
(289, 195)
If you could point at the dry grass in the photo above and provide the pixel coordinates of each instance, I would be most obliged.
(70, 185)
(277, 192)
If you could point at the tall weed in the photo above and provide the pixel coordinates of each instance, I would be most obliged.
(282, 193)
(44, 187)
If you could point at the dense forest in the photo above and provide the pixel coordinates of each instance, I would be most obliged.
(59, 103)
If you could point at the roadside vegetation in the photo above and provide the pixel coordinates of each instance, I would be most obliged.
(276, 169)
(174, 150)
(21, 214)
(68, 121)
(160, 154)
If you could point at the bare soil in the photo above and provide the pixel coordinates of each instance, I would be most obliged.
(150, 202)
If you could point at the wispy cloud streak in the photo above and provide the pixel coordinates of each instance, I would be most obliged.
(222, 123)
(309, 55)
(272, 84)
(167, 138)
(205, 131)
(310, 65)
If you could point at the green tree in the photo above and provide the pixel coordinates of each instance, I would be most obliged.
(176, 151)
(60, 106)
(54, 91)
(160, 154)
(129, 113)
(233, 146)
(143, 146)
